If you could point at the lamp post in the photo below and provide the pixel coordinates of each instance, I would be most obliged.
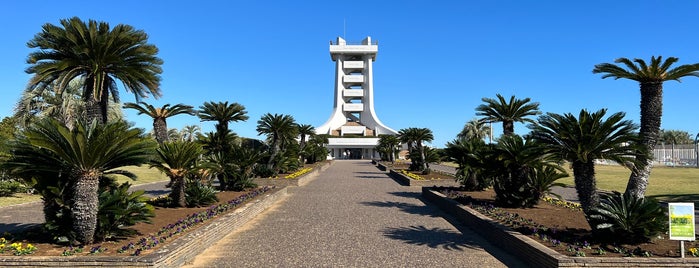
(696, 149)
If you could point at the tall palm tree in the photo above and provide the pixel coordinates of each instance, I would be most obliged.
(416, 137)
(160, 115)
(223, 113)
(474, 129)
(177, 160)
(78, 158)
(650, 77)
(582, 140)
(277, 127)
(99, 55)
(507, 112)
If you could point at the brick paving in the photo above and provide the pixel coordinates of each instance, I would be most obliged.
(353, 215)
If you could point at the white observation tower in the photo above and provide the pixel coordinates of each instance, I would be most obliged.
(353, 126)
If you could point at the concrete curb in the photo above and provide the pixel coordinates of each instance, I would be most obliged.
(175, 254)
(531, 251)
(300, 181)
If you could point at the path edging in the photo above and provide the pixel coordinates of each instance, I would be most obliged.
(531, 251)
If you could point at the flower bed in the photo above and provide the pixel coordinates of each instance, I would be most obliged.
(298, 178)
(407, 178)
(539, 244)
(172, 246)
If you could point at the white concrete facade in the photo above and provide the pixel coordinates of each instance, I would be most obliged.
(353, 106)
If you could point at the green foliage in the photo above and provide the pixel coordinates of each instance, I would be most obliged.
(626, 218)
(199, 194)
(546, 177)
(119, 209)
(10, 187)
(471, 156)
(507, 112)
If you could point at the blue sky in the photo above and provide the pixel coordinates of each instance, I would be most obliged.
(436, 59)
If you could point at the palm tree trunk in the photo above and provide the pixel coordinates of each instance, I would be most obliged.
(85, 205)
(651, 113)
(585, 184)
(273, 153)
(422, 156)
(177, 194)
(92, 111)
(508, 127)
(160, 129)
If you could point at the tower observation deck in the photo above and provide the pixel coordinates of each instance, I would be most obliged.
(353, 126)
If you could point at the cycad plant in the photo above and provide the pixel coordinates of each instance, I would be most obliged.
(177, 160)
(68, 165)
(627, 218)
(470, 155)
(160, 116)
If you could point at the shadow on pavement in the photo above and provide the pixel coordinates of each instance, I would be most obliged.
(434, 237)
(17, 227)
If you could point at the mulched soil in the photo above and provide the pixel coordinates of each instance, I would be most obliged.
(574, 232)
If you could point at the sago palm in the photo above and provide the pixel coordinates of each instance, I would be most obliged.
(416, 136)
(306, 132)
(99, 55)
(650, 78)
(160, 115)
(474, 129)
(222, 113)
(278, 128)
(78, 158)
(583, 139)
(177, 160)
(507, 112)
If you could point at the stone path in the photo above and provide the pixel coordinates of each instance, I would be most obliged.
(353, 215)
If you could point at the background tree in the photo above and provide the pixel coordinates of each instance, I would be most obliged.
(474, 129)
(507, 112)
(306, 132)
(415, 137)
(278, 128)
(160, 116)
(222, 113)
(674, 137)
(650, 77)
(100, 56)
(189, 132)
(79, 159)
(582, 140)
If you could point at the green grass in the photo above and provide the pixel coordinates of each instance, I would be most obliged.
(145, 175)
(665, 183)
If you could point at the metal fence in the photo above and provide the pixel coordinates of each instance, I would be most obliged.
(681, 155)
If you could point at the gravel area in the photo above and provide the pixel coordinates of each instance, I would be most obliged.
(353, 215)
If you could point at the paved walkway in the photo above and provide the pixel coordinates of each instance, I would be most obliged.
(20, 217)
(353, 215)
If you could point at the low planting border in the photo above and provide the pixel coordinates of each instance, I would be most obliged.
(175, 254)
(533, 252)
(300, 181)
(402, 179)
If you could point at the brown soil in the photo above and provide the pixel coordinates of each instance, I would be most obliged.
(163, 217)
(573, 230)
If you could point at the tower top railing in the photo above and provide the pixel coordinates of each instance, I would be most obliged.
(360, 43)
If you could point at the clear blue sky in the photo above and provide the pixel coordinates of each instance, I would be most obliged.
(436, 59)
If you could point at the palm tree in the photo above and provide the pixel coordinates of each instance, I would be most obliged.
(79, 158)
(387, 145)
(470, 155)
(416, 136)
(306, 131)
(160, 116)
(100, 56)
(651, 78)
(277, 127)
(474, 129)
(189, 132)
(583, 140)
(223, 113)
(177, 160)
(500, 110)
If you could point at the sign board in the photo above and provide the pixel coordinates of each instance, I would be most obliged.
(681, 221)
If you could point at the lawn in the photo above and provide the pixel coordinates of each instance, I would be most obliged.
(145, 175)
(665, 183)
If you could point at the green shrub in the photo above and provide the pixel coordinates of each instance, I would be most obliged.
(545, 179)
(119, 209)
(10, 187)
(626, 218)
(198, 194)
